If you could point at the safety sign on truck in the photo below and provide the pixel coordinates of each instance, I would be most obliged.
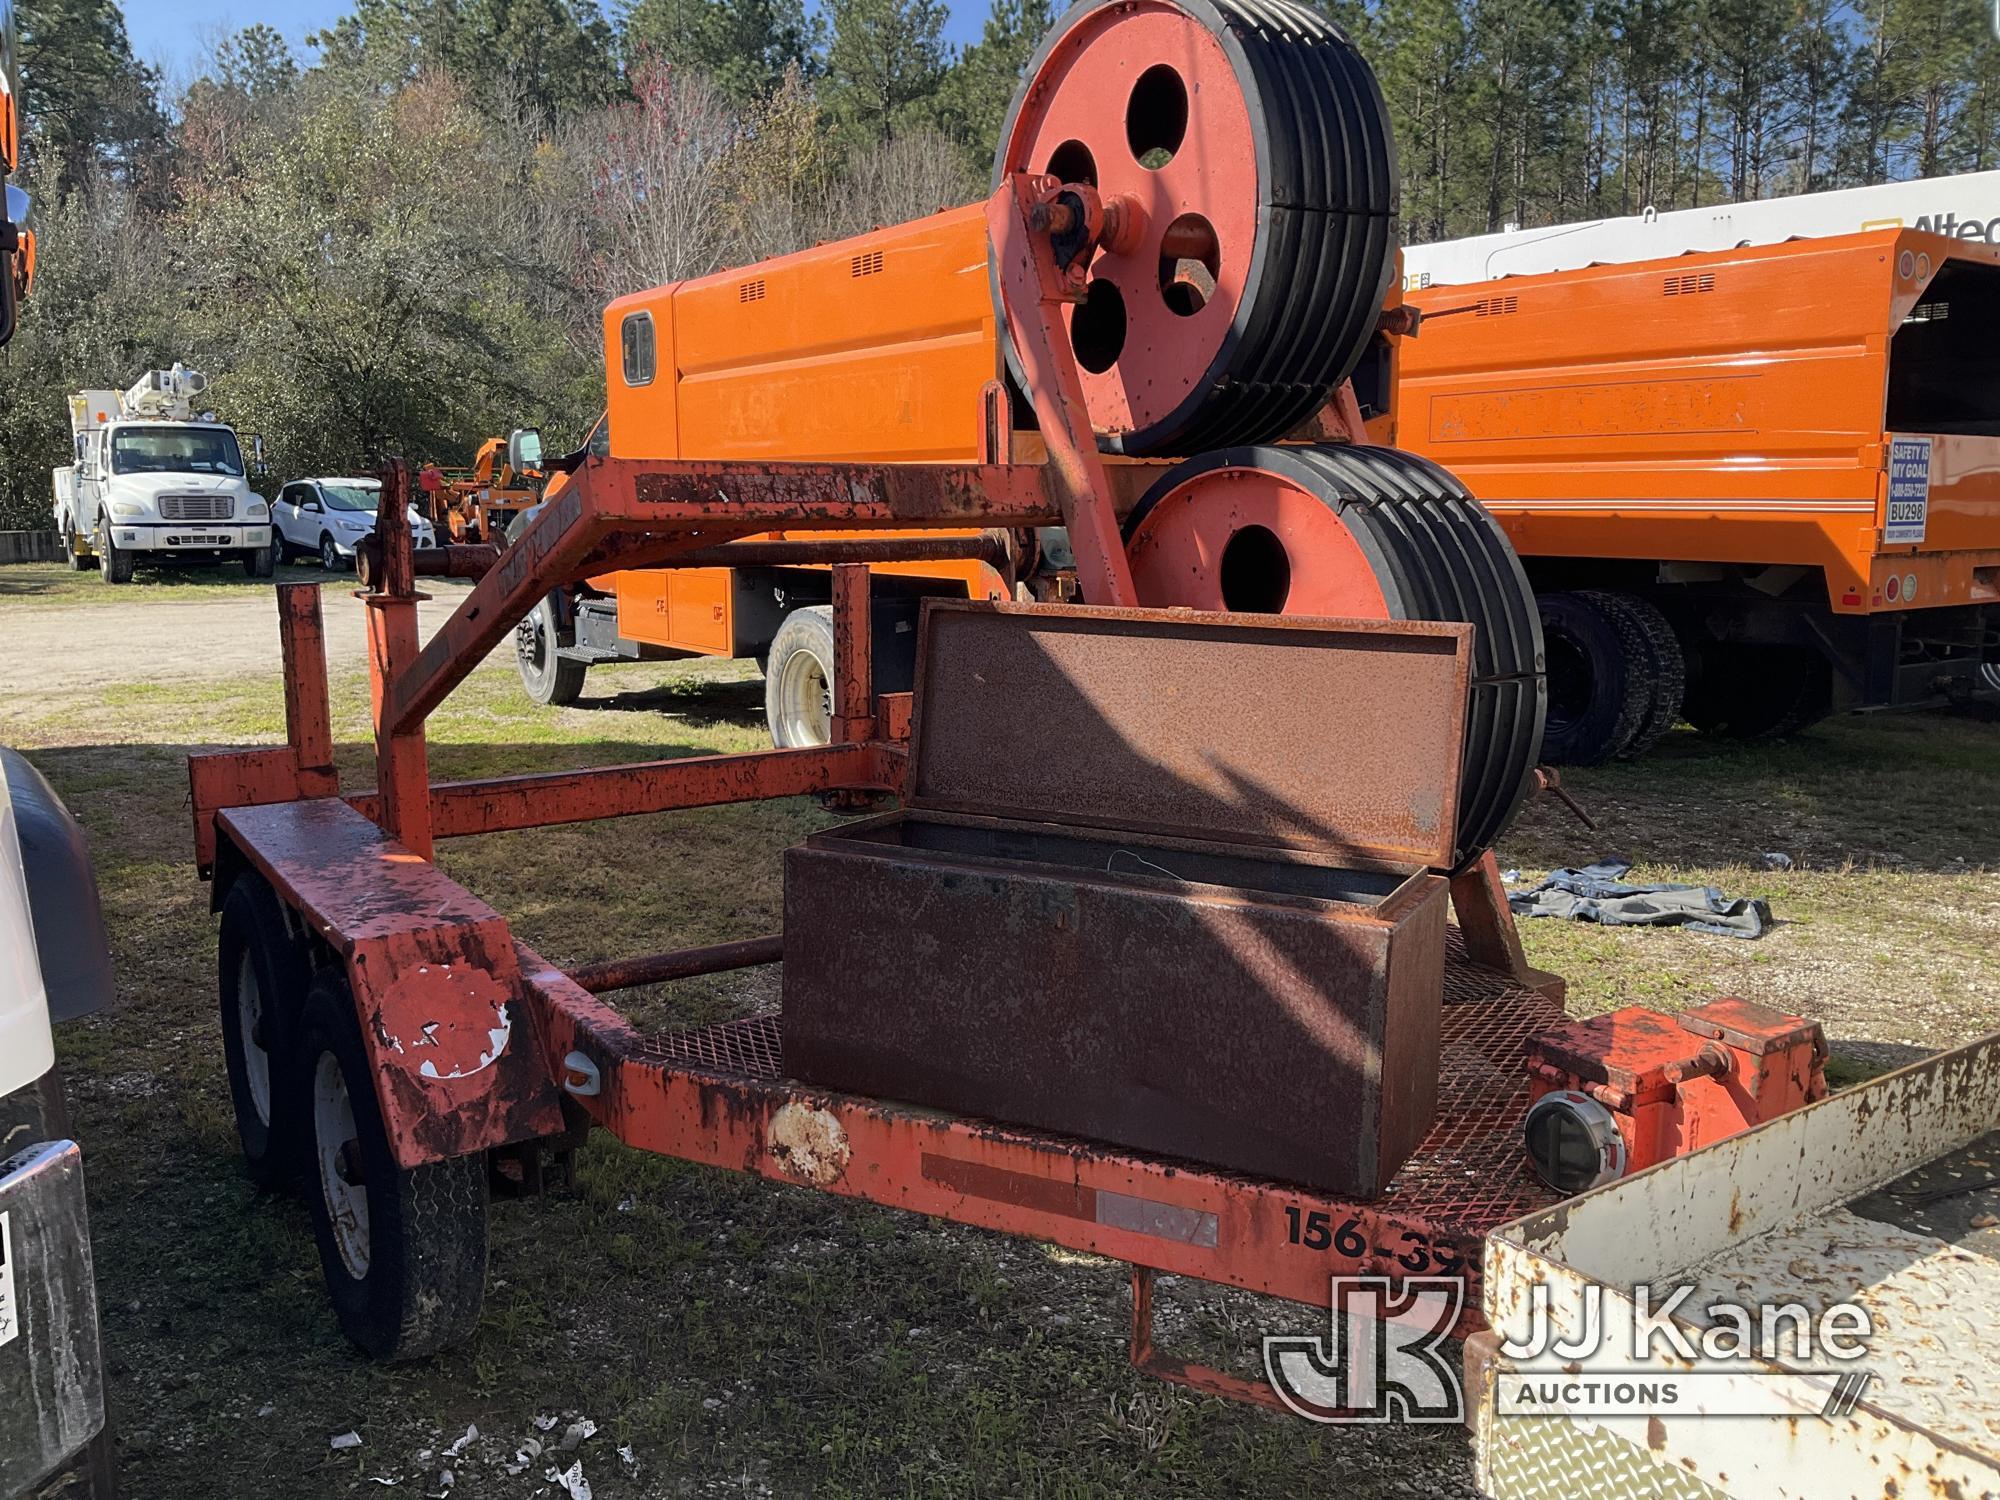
(1909, 490)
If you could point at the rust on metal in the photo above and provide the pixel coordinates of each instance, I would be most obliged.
(1310, 760)
(1032, 291)
(683, 963)
(443, 1009)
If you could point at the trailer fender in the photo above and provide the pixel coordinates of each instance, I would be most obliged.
(438, 990)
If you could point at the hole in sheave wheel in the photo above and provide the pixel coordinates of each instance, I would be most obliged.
(1072, 162)
(1097, 328)
(1256, 572)
(1189, 260)
(1156, 118)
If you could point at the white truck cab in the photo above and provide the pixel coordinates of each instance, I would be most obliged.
(154, 479)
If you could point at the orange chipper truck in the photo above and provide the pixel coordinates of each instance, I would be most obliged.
(1751, 486)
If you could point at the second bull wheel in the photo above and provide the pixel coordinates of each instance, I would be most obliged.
(1368, 533)
(1255, 142)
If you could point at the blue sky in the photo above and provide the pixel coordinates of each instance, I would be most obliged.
(173, 33)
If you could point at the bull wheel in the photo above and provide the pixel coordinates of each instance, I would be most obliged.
(1255, 142)
(1369, 533)
(403, 1249)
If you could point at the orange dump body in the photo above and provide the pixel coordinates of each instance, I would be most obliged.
(1733, 407)
(877, 347)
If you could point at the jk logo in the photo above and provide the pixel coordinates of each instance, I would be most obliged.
(1380, 1361)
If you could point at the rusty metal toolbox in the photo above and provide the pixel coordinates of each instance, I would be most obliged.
(1165, 880)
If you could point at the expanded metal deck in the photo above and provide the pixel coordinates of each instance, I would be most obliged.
(1470, 1173)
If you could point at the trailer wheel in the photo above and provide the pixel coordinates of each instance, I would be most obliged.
(403, 1249)
(550, 678)
(261, 979)
(1758, 692)
(115, 566)
(798, 681)
(1599, 691)
(1660, 662)
(78, 562)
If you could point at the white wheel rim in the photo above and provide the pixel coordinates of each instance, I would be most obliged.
(1991, 673)
(250, 1030)
(805, 700)
(334, 1139)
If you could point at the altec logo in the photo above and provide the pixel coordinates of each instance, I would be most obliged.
(1986, 231)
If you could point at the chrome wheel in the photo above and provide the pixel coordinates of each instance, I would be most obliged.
(329, 555)
(337, 1150)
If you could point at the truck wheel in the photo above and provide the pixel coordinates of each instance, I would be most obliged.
(1599, 687)
(403, 1249)
(77, 561)
(798, 682)
(1659, 660)
(550, 678)
(115, 566)
(261, 979)
(1758, 692)
(261, 562)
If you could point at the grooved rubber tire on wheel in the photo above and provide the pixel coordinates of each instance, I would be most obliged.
(1664, 665)
(261, 562)
(113, 566)
(547, 676)
(403, 1249)
(329, 555)
(78, 562)
(261, 980)
(1756, 692)
(1600, 686)
(1256, 133)
(798, 682)
(1364, 532)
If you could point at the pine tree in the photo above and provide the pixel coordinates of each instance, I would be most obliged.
(984, 82)
(89, 102)
(745, 46)
(885, 66)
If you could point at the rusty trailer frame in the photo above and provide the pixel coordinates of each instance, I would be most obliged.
(478, 1042)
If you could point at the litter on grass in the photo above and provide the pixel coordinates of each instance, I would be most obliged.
(1596, 894)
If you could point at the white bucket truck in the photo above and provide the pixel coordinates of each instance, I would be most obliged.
(154, 477)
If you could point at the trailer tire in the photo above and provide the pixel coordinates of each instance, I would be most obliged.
(113, 565)
(261, 978)
(403, 1249)
(1599, 687)
(547, 676)
(1758, 692)
(798, 680)
(1665, 666)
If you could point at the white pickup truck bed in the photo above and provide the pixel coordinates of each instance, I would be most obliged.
(1886, 1195)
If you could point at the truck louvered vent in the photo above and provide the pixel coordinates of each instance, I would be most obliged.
(1494, 307)
(865, 265)
(1689, 284)
(751, 291)
(1929, 312)
(196, 507)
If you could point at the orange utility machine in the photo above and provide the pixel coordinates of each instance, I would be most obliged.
(1772, 471)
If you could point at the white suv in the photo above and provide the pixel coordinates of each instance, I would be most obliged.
(327, 517)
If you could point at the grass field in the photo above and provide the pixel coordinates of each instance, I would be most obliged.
(742, 1338)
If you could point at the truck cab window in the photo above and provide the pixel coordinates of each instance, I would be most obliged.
(636, 337)
(175, 450)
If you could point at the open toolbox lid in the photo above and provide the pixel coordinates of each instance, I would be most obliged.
(1339, 736)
